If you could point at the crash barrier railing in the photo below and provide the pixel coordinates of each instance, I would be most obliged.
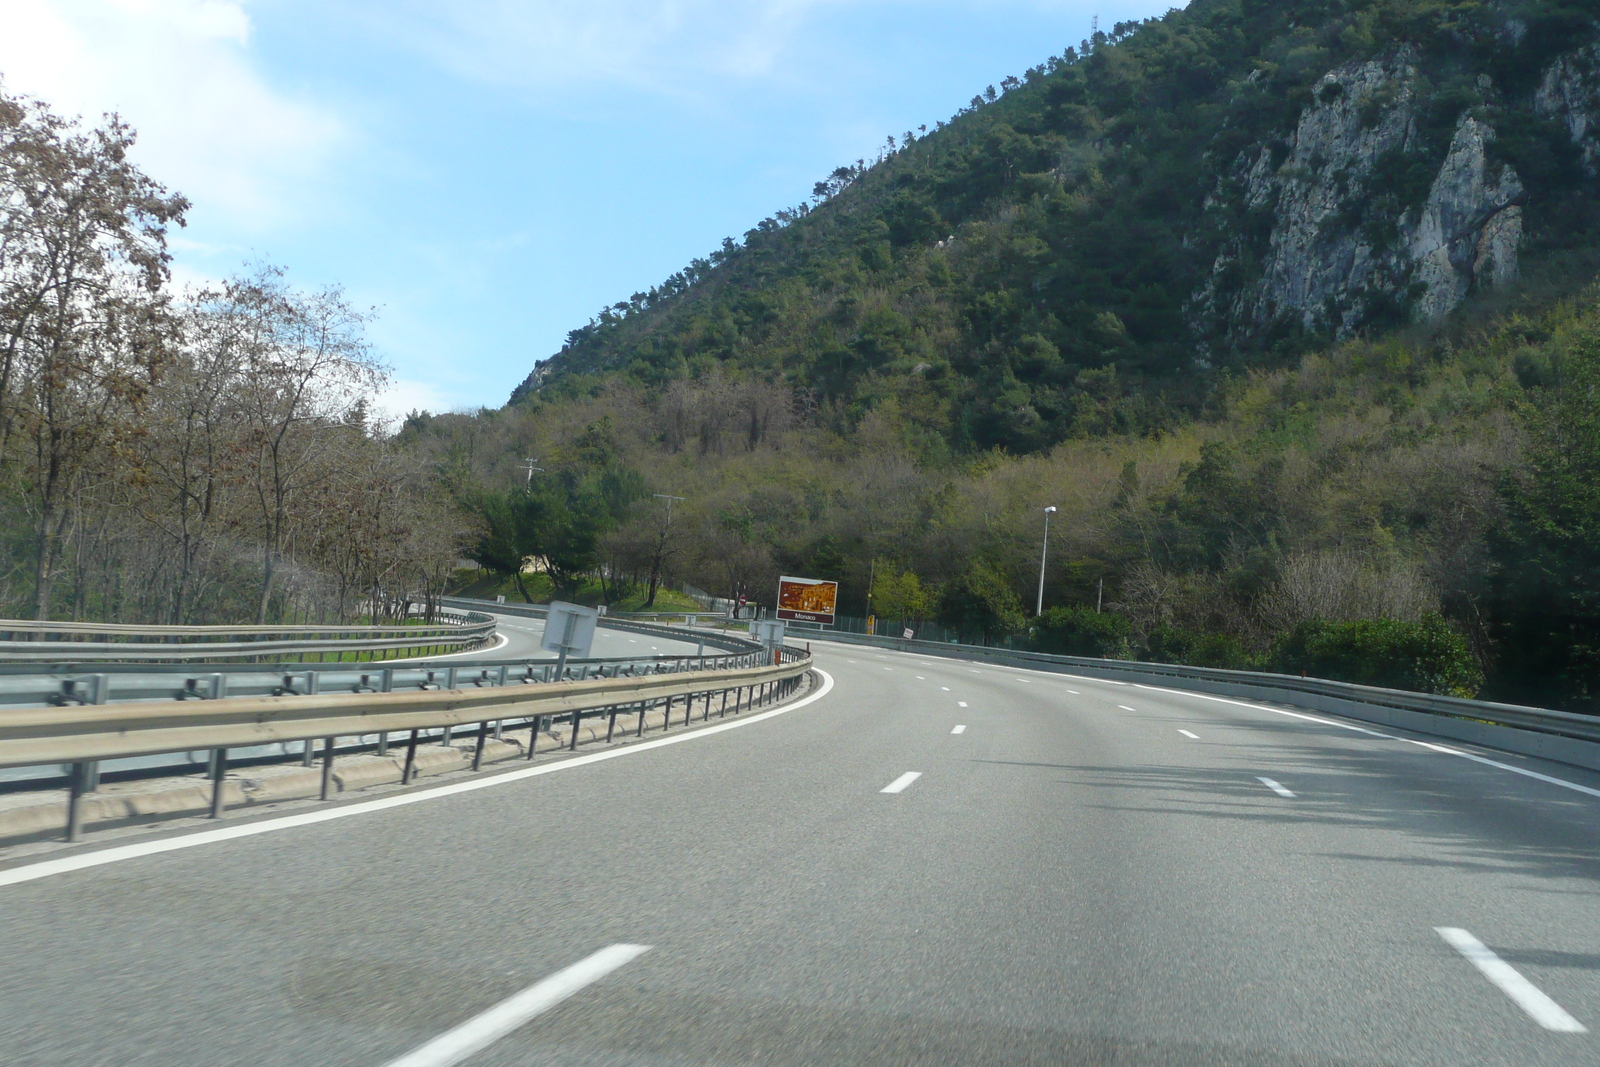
(492, 696)
(58, 684)
(1496, 725)
(628, 621)
(78, 642)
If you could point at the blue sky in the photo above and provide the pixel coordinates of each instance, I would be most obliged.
(486, 174)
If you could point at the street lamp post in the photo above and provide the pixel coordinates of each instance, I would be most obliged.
(1044, 551)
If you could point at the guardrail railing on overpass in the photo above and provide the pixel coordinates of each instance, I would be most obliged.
(78, 642)
(81, 720)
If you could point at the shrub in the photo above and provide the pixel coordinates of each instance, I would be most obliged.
(1426, 656)
(1082, 632)
(1170, 645)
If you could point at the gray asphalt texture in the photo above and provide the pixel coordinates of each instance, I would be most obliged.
(523, 635)
(1069, 882)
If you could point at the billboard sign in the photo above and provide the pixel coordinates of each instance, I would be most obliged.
(807, 599)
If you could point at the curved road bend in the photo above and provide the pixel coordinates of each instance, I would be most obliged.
(522, 635)
(1087, 873)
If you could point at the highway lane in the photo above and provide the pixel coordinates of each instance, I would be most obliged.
(522, 635)
(1071, 879)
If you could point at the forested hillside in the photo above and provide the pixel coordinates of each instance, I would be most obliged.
(1096, 247)
(1288, 307)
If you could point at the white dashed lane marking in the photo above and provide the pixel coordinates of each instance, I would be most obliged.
(1529, 997)
(899, 784)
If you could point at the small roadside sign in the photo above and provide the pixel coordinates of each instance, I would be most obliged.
(569, 630)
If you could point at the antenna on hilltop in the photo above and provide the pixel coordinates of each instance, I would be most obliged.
(1094, 25)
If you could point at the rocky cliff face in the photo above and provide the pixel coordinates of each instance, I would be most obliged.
(1354, 234)
(1570, 93)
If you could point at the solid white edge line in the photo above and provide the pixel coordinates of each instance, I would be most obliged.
(959, 730)
(899, 784)
(1275, 787)
(1549, 779)
(118, 853)
(502, 638)
(481, 1031)
(1529, 997)
(1378, 733)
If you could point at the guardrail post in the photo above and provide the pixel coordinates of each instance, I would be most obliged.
(643, 706)
(688, 708)
(219, 771)
(666, 720)
(483, 737)
(309, 755)
(723, 714)
(327, 766)
(612, 728)
(573, 744)
(411, 759)
(75, 790)
(533, 736)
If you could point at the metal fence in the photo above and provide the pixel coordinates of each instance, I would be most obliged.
(61, 723)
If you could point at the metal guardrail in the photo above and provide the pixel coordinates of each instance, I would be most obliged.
(1538, 720)
(80, 720)
(69, 642)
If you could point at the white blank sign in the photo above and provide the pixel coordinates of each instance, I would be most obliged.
(569, 628)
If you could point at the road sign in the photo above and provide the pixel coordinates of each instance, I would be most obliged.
(807, 599)
(768, 631)
(569, 630)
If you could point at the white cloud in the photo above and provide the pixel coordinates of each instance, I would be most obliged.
(180, 72)
(402, 396)
(663, 45)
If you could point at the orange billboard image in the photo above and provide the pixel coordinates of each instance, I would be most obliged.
(807, 599)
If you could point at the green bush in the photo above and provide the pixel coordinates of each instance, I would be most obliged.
(1427, 656)
(1171, 645)
(1082, 632)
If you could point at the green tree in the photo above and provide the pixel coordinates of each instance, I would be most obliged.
(1544, 602)
(900, 594)
(506, 534)
(1083, 632)
(982, 601)
(1426, 656)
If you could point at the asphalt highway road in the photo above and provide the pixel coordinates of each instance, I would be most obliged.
(522, 635)
(1087, 873)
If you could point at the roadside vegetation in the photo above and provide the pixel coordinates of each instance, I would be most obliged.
(187, 456)
(886, 386)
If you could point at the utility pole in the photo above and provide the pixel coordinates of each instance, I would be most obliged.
(530, 465)
(1044, 552)
(669, 499)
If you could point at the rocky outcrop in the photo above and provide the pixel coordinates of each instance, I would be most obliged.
(1570, 93)
(1345, 243)
(1468, 230)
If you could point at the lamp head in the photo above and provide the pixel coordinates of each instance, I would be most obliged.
(1050, 510)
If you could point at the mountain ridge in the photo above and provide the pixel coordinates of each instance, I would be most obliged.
(1224, 187)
